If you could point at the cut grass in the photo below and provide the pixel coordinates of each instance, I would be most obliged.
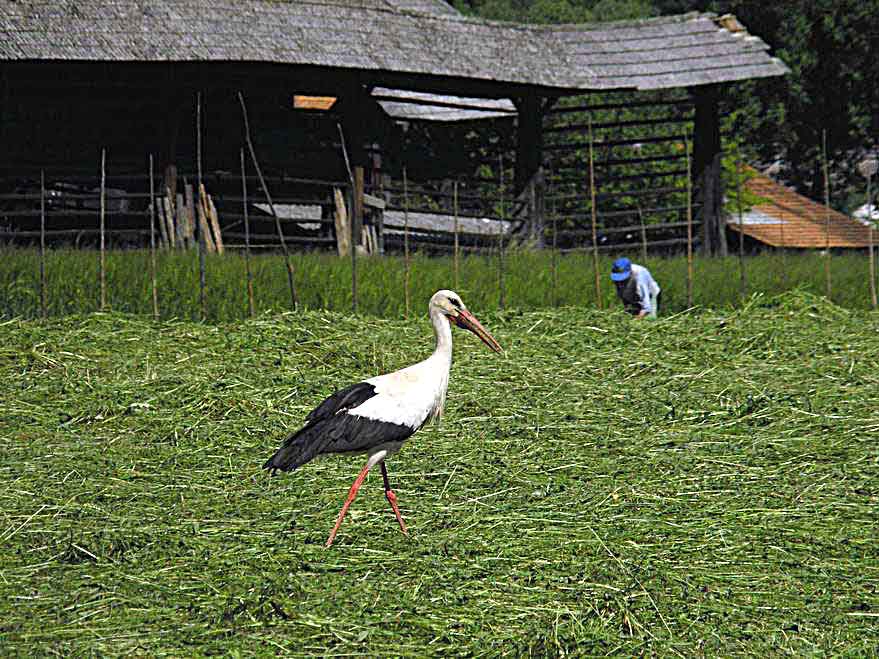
(707, 483)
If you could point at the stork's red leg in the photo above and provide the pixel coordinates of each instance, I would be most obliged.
(351, 494)
(392, 499)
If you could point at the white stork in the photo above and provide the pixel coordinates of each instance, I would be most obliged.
(377, 415)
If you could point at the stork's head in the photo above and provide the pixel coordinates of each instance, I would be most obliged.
(450, 305)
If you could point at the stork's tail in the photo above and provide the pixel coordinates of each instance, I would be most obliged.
(296, 450)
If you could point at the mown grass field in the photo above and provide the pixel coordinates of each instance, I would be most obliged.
(323, 281)
(706, 484)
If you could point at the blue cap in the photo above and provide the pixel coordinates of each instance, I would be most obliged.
(621, 269)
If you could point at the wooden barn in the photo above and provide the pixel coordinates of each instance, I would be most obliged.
(348, 95)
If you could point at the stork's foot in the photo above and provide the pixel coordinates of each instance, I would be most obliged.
(392, 499)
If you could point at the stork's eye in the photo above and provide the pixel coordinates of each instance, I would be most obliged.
(455, 302)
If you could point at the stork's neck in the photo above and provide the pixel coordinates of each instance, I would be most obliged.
(443, 331)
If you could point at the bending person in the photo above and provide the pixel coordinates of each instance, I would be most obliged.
(636, 288)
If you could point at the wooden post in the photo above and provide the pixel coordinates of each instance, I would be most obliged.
(593, 196)
(555, 253)
(689, 221)
(200, 233)
(829, 289)
(351, 234)
(706, 166)
(43, 310)
(265, 189)
(153, 241)
(357, 220)
(529, 160)
(870, 233)
(341, 223)
(103, 229)
(352, 238)
(247, 269)
(502, 282)
(740, 171)
(406, 240)
(169, 218)
(198, 208)
(457, 256)
(643, 234)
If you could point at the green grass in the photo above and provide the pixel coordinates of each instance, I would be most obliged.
(323, 281)
(704, 484)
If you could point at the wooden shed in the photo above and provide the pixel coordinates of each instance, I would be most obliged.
(123, 75)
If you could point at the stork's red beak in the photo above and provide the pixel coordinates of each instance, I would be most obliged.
(467, 320)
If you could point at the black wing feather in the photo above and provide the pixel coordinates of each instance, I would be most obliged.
(344, 399)
(328, 429)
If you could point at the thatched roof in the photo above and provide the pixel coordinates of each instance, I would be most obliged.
(373, 36)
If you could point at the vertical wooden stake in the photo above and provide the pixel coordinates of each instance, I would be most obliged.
(350, 221)
(555, 253)
(43, 310)
(352, 240)
(247, 269)
(356, 227)
(643, 234)
(153, 241)
(829, 290)
(294, 301)
(406, 240)
(457, 257)
(502, 283)
(592, 195)
(690, 274)
(103, 229)
(740, 171)
(872, 257)
(200, 234)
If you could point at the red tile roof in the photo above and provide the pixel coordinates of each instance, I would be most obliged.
(796, 221)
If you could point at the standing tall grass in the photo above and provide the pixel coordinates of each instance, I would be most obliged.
(324, 282)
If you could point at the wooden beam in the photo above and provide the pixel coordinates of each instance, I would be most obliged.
(707, 152)
(529, 179)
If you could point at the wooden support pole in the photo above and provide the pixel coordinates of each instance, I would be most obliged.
(200, 233)
(594, 211)
(706, 166)
(359, 185)
(153, 241)
(406, 265)
(829, 288)
(528, 164)
(643, 234)
(350, 220)
(555, 255)
(250, 304)
(502, 280)
(290, 275)
(457, 256)
(43, 309)
(743, 284)
(872, 268)
(103, 212)
(689, 221)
